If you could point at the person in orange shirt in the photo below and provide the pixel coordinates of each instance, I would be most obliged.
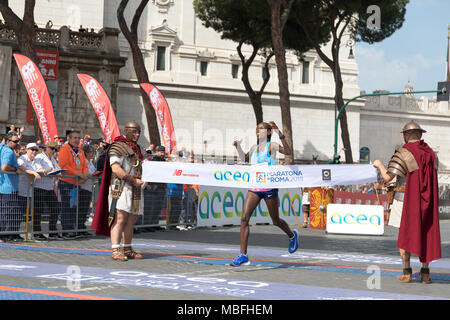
(72, 159)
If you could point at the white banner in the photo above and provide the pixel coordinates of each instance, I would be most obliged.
(355, 219)
(224, 206)
(258, 176)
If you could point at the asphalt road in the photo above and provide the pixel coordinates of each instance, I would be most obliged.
(194, 266)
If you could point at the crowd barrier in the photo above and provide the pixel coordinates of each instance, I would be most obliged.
(55, 207)
(65, 210)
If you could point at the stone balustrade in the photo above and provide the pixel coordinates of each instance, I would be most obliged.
(407, 103)
(67, 39)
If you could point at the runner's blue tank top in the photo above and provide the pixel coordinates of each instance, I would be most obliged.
(262, 157)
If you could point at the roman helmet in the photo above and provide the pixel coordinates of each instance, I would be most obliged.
(412, 126)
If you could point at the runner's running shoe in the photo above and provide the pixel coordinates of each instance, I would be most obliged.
(293, 242)
(240, 260)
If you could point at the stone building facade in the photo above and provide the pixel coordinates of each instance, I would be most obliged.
(199, 74)
(94, 53)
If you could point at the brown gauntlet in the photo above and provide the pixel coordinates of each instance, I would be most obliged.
(129, 179)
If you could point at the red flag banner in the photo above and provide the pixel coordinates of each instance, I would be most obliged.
(162, 110)
(102, 106)
(39, 97)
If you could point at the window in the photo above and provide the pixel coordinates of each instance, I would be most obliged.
(161, 58)
(305, 72)
(203, 68)
(234, 70)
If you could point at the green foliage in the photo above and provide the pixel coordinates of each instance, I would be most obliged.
(392, 16)
(247, 20)
(324, 16)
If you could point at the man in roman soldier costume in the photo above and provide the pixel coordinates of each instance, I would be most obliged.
(122, 188)
(415, 206)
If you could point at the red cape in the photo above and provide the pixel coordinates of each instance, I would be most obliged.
(101, 214)
(419, 228)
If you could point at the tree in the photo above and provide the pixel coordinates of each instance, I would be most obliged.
(279, 13)
(249, 22)
(245, 22)
(138, 62)
(24, 30)
(346, 16)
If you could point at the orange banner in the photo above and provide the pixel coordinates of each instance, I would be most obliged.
(39, 97)
(162, 110)
(102, 106)
(319, 198)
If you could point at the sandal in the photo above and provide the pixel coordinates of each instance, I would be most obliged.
(425, 275)
(406, 277)
(118, 255)
(131, 254)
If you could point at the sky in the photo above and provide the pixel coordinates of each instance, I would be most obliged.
(417, 52)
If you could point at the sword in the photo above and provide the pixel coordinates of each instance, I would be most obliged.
(112, 212)
(116, 191)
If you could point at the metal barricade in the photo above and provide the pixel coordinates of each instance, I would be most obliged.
(168, 206)
(35, 208)
(64, 210)
(12, 207)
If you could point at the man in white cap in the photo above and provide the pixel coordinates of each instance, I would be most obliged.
(28, 164)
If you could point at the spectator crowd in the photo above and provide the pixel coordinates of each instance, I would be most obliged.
(60, 180)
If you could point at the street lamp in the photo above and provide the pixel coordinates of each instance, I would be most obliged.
(336, 157)
(350, 43)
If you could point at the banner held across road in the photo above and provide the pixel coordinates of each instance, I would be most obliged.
(258, 176)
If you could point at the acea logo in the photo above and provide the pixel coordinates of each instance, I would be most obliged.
(219, 203)
(235, 176)
(356, 219)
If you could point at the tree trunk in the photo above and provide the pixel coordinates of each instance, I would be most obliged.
(333, 64)
(339, 100)
(139, 65)
(345, 136)
(27, 41)
(280, 58)
(255, 97)
(25, 32)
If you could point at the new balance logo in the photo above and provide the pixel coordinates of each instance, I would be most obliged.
(92, 89)
(29, 73)
(177, 173)
(155, 98)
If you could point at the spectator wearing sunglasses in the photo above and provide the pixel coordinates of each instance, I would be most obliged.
(9, 185)
(30, 166)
